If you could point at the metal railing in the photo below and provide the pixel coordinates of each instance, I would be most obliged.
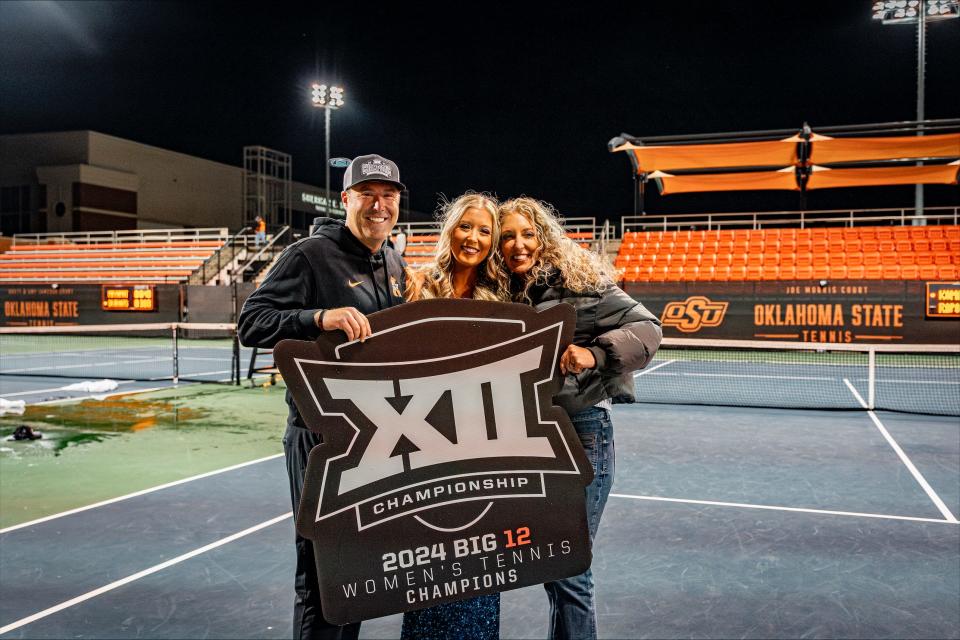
(801, 219)
(269, 248)
(581, 226)
(607, 236)
(128, 235)
(417, 229)
(220, 259)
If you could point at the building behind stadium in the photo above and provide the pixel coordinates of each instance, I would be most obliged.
(90, 181)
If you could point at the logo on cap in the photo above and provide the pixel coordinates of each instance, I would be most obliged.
(376, 166)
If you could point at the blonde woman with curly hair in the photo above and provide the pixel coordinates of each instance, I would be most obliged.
(466, 263)
(615, 335)
(465, 266)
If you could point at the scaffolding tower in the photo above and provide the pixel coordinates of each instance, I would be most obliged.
(267, 186)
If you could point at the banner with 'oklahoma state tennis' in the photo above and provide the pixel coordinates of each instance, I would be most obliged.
(446, 472)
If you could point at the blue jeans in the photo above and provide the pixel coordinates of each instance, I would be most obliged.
(572, 611)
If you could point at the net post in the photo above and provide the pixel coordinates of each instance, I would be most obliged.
(871, 378)
(235, 373)
(176, 358)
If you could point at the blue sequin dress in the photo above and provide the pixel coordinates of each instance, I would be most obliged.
(473, 619)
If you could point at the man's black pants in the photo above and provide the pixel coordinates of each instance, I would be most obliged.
(308, 620)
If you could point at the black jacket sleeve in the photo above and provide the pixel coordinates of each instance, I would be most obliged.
(629, 335)
(283, 306)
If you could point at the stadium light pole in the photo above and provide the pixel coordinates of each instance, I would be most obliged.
(328, 99)
(918, 12)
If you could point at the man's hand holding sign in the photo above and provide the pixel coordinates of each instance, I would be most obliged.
(445, 472)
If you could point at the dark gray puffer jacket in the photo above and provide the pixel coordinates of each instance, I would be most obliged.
(620, 332)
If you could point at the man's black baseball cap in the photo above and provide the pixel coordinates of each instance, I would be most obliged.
(372, 167)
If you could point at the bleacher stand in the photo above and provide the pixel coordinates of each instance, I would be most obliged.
(832, 253)
(160, 256)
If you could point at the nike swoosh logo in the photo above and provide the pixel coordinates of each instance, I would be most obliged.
(354, 284)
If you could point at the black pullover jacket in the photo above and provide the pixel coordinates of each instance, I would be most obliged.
(329, 269)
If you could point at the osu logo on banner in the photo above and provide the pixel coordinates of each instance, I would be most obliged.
(693, 314)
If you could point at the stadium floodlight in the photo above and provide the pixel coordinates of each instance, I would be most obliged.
(327, 98)
(918, 12)
(909, 11)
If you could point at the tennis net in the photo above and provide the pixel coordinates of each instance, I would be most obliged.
(909, 378)
(201, 352)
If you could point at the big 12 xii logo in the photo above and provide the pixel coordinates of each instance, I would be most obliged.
(445, 471)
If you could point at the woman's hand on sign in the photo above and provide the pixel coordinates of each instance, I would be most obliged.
(576, 359)
(349, 320)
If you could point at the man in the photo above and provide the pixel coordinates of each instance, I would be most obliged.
(328, 281)
(260, 231)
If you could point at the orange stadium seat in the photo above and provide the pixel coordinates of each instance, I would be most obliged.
(947, 272)
(721, 273)
(910, 272)
(871, 259)
(929, 272)
(787, 272)
(869, 245)
(942, 258)
(883, 233)
(938, 244)
(854, 258)
(901, 233)
(906, 258)
(918, 233)
(890, 272)
(691, 272)
(950, 233)
(873, 272)
(891, 258)
(924, 257)
(921, 244)
(855, 272)
(804, 272)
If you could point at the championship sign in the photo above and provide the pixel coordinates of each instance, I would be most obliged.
(446, 472)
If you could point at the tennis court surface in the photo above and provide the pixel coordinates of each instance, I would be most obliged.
(780, 520)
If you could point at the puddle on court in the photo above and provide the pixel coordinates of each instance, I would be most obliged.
(100, 419)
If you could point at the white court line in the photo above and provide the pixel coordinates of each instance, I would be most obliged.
(138, 493)
(856, 394)
(924, 382)
(904, 459)
(743, 375)
(141, 574)
(644, 372)
(774, 508)
(913, 470)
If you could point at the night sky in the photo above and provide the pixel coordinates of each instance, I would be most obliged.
(478, 96)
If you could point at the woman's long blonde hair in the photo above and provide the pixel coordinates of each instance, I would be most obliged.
(581, 270)
(434, 280)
